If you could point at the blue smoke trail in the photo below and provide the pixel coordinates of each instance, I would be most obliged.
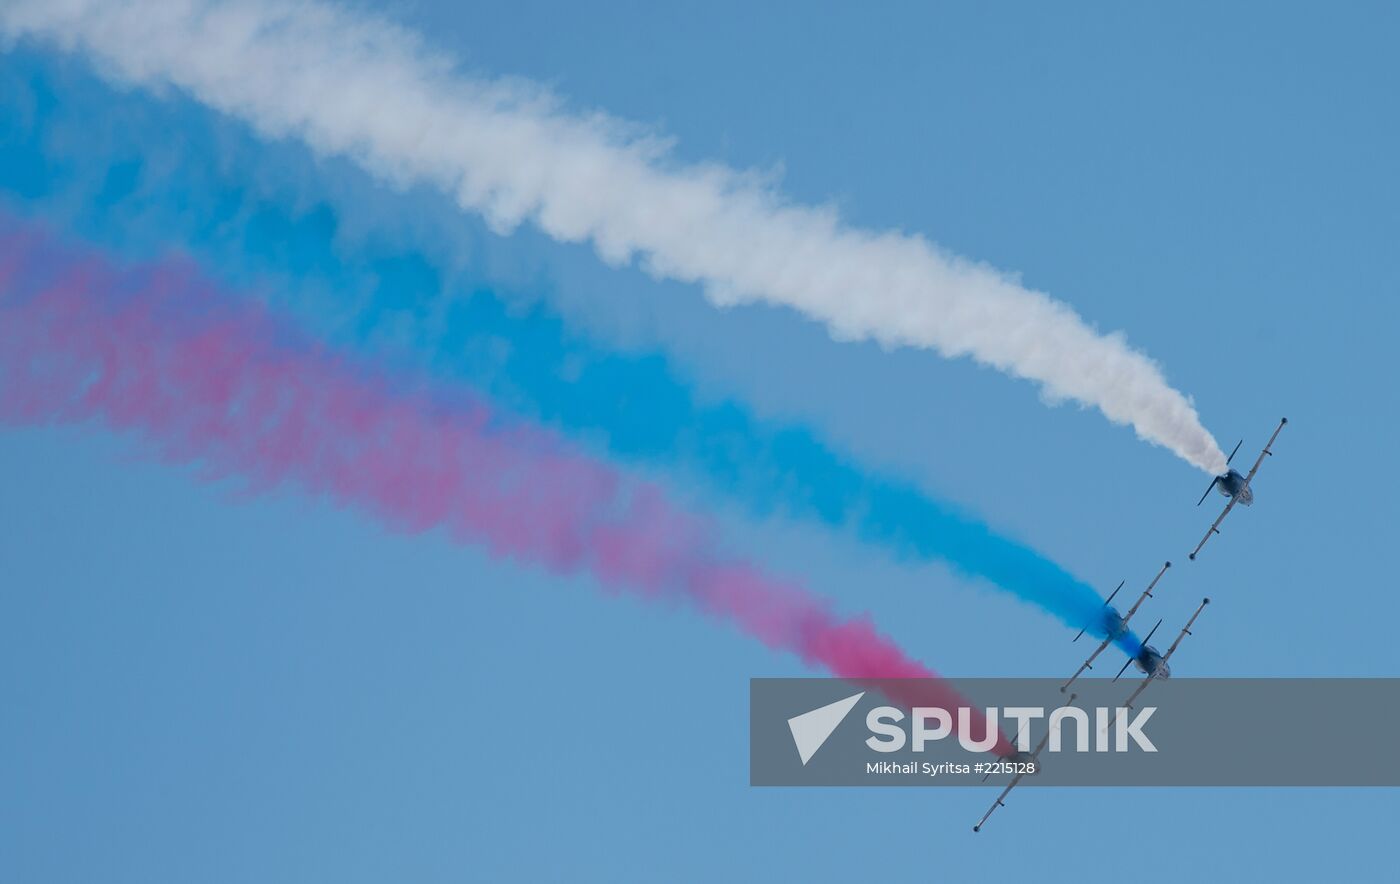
(383, 296)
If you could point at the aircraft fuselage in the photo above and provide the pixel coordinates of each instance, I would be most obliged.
(1113, 625)
(1150, 663)
(1232, 485)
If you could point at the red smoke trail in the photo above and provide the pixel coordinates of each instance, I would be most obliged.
(205, 380)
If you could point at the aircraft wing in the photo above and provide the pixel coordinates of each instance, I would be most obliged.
(1185, 630)
(1004, 792)
(1265, 453)
(1087, 664)
(1146, 680)
(1146, 594)
(1215, 527)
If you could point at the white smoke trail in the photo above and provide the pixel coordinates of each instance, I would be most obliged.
(355, 85)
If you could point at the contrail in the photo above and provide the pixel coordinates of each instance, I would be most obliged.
(525, 360)
(161, 354)
(353, 84)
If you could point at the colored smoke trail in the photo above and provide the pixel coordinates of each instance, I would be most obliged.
(200, 194)
(355, 85)
(159, 353)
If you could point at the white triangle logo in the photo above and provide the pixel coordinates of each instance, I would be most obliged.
(811, 729)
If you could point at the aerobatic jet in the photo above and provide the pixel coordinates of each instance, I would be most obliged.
(1151, 663)
(1113, 625)
(1234, 486)
(1027, 758)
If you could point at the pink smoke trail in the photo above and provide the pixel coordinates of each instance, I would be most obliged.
(205, 379)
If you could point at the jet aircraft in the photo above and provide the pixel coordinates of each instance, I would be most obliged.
(1234, 486)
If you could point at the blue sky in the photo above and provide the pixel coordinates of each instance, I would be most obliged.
(212, 688)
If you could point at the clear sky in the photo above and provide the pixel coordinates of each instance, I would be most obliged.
(199, 685)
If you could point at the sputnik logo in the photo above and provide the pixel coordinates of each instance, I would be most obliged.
(811, 729)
